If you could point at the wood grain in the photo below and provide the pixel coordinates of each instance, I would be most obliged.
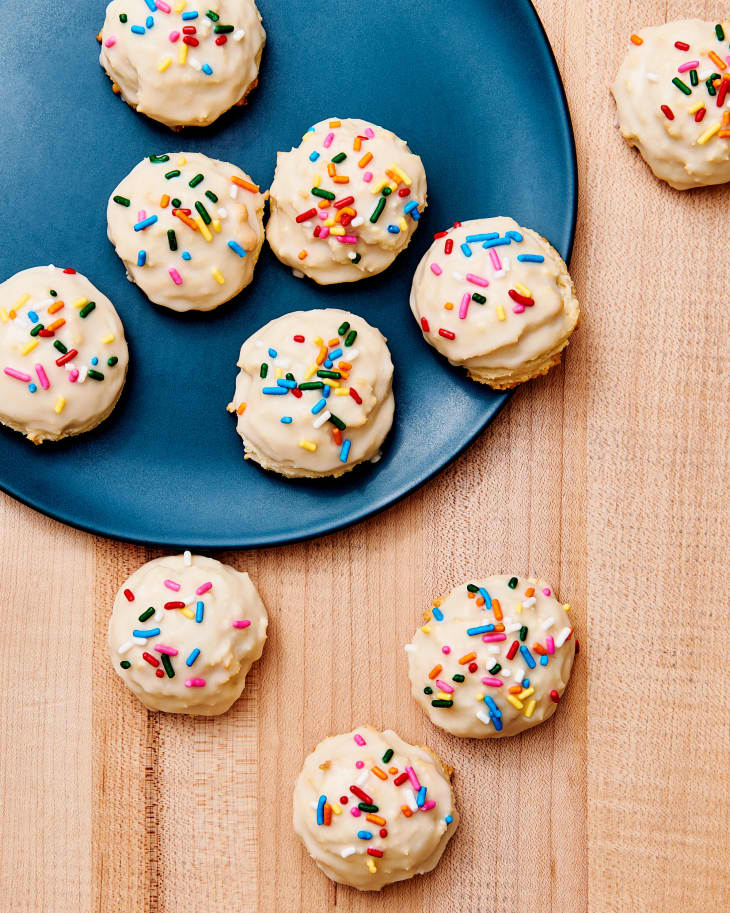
(608, 477)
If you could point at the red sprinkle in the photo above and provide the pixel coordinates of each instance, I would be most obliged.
(373, 852)
(447, 334)
(130, 595)
(681, 46)
(404, 192)
(473, 667)
(296, 392)
(520, 299)
(69, 356)
(46, 333)
(346, 219)
(577, 646)
(221, 39)
(668, 113)
(440, 234)
(309, 214)
(457, 224)
(175, 605)
(150, 659)
(722, 92)
(554, 696)
(189, 30)
(448, 246)
(193, 42)
(383, 831)
(513, 649)
(69, 271)
(361, 795)
(356, 396)
(700, 115)
(159, 673)
(180, 209)
(401, 778)
(344, 800)
(345, 201)
(424, 325)
(298, 338)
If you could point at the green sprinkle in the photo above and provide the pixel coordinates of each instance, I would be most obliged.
(53, 293)
(472, 587)
(343, 328)
(710, 83)
(340, 157)
(442, 703)
(325, 194)
(176, 203)
(337, 422)
(223, 29)
(290, 376)
(123, 19)
(311, 385)
(204, 215)
(388, 755)
(36, 329)
(264, 369)
(87, 309)
(172, 238)
(148, 613)
(125, 663)
(156, 159)
(165, 659)
(694, 78)
(95, 375)
(123, 201)
(428, 690)
(357, 258)
(173, 174)
(351, 337)
(332, 375)
(458, 677)
(387, 191)
(523, 633)
(682, 86)
(378, 211)
(214, 17)
(57, 344)
(367, 807)
(512, 583)
(195, 181)
(211, 196)
(112, 361)
(480, 299)
(495, 669)
(720, 32)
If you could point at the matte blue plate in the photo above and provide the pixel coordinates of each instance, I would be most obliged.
(471, 85)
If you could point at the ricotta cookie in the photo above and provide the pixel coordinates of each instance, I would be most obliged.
(188, 228)
(345, 202)
(496, 299)
(372, 809)
(672, 93)
(184, 632)
(314, 396)
(63, 352)
(494, 657)
(181, 63)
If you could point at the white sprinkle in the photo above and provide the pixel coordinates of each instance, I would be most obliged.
(140, 641)
(282, 363)
(239, 35)
(506, 673)
(529, 603)
(158, 616)
(505, 264)
(562, 637)
(314, 803)
(83, 371)
(258, 344)
(195, 63)
(352, 354)
(306, 225)
(652, 77)
(481, 715)
(127, 645)
(410, 648)
(348, 851)
(411, 800)
(357, 221)
(204, 27)
(548, 623)
(493, 649)
(233, 192)
(352, 254)
(321, 419)
(458, 276)
(297, 273)
(222, 213)
(363, 778)
(187, 558)
(510, 629)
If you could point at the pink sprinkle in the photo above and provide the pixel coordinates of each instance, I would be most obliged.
(413, 778)
(324, 214)
(550, 644)
(464, 306)
(171, 585)
(347, 239)
(518, 308)
(162, 648)
(369, 132)
(494, 257)
(18, 375)
(203, 588)
(73, 375)
(355, 812)
(42, 376)
(177, 278)
(323, 231)
(195, 683)
(359, 764)
(359, 739)
(111, 41)
(243, 623)
(446, 650)
(444, 686)
(142, 214)
(690, 65)
(546, 591)
(492, 682)
(161, 5)
(493, 638)
(367, 177)
(174, 36)
(328, 140)
(436, 269)
(427, 806)
(477, 280)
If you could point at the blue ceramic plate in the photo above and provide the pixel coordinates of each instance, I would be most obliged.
(471, 85)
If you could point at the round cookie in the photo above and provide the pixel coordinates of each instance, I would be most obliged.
(184, 632)
(496, 299)
(188, 228)
(314, 396)
(345, 202)
(673, 98)
(494, 657)
(62, 351)
(372, 809)
(181, 63)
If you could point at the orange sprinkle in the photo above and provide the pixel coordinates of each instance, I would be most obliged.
(241, 409)
(379, 773)
(324, 204)
(539, 649)
(497, 608)
(375, 819)
(636, 40)
(340, 179)
(393, 176)
(344, 365)
(185, 219)
(449, 306)
(718, 61)
(499, 628)
(331, 170)
(337, 436)
(724, 134)
(515, 689)
(467, 658)
(247, 185)
(471, 595)
(725, 119)
(344, 374)
(165, 200)
(56, 306)
(335, 123)
(322, 355)
(327, 814)
(435, 671)
(393, 770)
(530, 591)
(334, 342)
(357, 143)
(368, 157)
(302, 255)
(480, 600)
(406, 811)
(57, 323)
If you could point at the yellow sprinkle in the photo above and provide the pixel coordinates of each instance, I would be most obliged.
(401, 174)
(311, 372)
(526, 692)
(371, 865)
(29, 346)
(21, 301)
(218, 275)
(518, 607)
(426, 629)
(380, 185)
(517, 704)
(302, 254)
(337, 230)
(500, 312)
(335, 123)
(695, 108)
(279, 373)
(709, 133)
(336, 808)
(317, 180)
(81, 302)
(182, 53)
(216, 223)
(182, 161)
(181, 6)
(329, 222)
(523, 290)
(241, 409)
(342, 392)
(566, 607)
(164, 64)
(4, 315)
(530, 709)
(308, 445)
(188, 613)
(479, 697)
(444, 696)
(330, 383)
(107, 339)
(204, 230)
(402, 224)
(60, 403)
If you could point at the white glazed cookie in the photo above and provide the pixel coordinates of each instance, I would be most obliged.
(184, 632)
(673, 98)
(346, 201)
(314, 396)
(188, 228)
(496, 299)
(182, 63)
(494, 657)
(63, 352)
(372, 809)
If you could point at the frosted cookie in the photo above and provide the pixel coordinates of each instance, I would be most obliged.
(314, 396)
(345, 202)
(188, 228)
(184, 632)
(672, 93)
(182, 64)
(63, 354)
(494, 657)
(496, 299)
(372, 809)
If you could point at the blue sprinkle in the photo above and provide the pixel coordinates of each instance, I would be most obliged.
(275, 391)
(320, 809)
(186, 255)
(326, 391)
(421, 797)
(273, 353)
(498, 242)
(314, 156)
(328, 364)
(150, 632)
(344, 451)
(94, 360)
(530, 258)
(286, 419)
(409, 207)
(515, 236)
(543, 660)
(394, 230)
(466, 250)
(194, 654)
(151, 5)
(319, 406)
(138, 29)
(437, 614)
(448, 819)
(415, 214)
(32, 388)
(497, 723)
(335, 354)
(474, 239)
(33, 316)
(145, 223)
(141, 257)
(481, 629)
(525, 682)
(207, 69)
(289, 384)
(192, 14)
(199, 607)
(149, 22)
(365, 835)
(494, 709)
(527, 656)
(236, 248)
(486, 597)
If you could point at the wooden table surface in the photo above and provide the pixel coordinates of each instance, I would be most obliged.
(608, 477)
